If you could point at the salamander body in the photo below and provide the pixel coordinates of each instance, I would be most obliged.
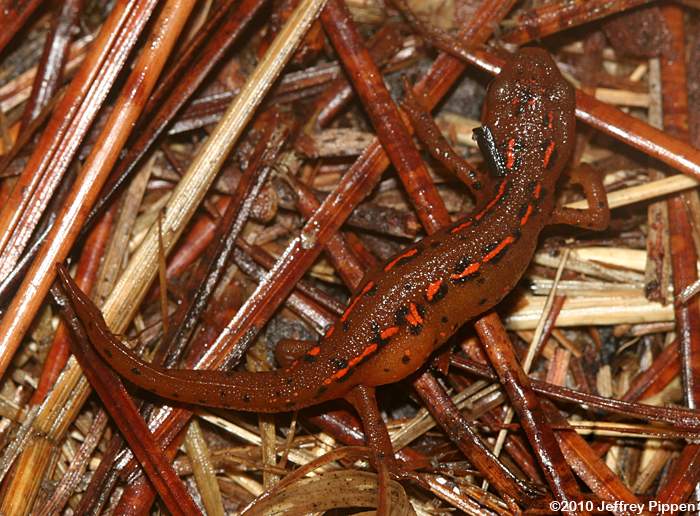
(416, 301)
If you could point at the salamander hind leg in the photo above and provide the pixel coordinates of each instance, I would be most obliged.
(364, 401)
(597, 216)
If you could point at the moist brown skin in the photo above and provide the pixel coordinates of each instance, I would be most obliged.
(413, 304)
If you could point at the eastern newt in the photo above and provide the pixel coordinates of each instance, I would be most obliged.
(418, 299)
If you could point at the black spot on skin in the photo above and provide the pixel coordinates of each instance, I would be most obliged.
(310, 359)
(386, 369)
(408, 286)
(441, 293)
(400, 316)
(523, 210)
(462, 264)
(506, 189)
(415, 330)
(289, 381)
(222, 394)
(476, 185)
(108, 353)
(321, 390)
(289, 404)
(377, 334)
(543, 193)
(136, 371)
(202, 401)
(175, 395)
(480, 280)
(346, 326)
(246, 398)
(601, 204)
(517, 233)
(482, 301)
(444, 319)
(459, 268)
(339, 363)
(435, 244)
(278, 394)
(405, 359)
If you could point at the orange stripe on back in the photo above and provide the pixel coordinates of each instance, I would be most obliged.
(526, 217)
(368, 287)
(492, 202)
(396, 260)
(470, 269)
(500, 247)
(548, 153)
(349, 309)
(433, 289)
(510, 154)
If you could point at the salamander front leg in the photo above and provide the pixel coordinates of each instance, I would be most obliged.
(597, 216)
(438, 147)
(365, 403)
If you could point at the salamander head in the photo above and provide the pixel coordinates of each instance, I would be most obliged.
(529, 109)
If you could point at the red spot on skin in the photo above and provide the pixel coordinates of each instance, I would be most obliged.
(389, 332)
(330, 332)
(537, 191)
(548, 153)
(510, 154)
(413, 317)
(526, 217)
(433, 289)
(492, 202)
(500, 247)
(393, 262)
(327, 381)
(470, 269)
(550, 118)
(314, 352)
(368, 287)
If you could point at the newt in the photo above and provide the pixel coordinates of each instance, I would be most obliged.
(409, 307)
